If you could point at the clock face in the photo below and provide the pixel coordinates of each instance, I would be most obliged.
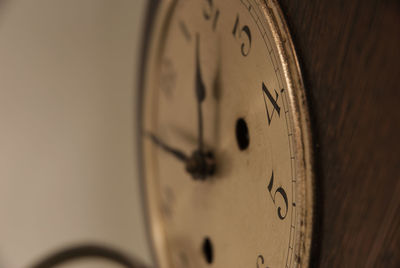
(226, 144)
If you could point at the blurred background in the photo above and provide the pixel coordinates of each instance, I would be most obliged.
(67, 140)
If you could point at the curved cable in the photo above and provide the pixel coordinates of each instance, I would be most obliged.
(87, 251)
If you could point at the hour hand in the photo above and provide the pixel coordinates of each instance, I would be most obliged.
(199, 165)
(175, 152)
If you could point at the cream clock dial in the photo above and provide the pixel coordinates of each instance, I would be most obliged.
(227, 160)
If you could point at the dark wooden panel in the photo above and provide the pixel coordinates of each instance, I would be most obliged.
(350, 53)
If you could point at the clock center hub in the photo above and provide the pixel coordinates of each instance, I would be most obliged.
(200, 165)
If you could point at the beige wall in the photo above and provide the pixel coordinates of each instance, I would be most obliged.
(67, 150)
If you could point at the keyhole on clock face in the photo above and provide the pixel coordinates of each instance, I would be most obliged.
(242, 134)
(208, 250)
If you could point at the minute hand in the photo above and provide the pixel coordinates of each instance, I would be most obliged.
(200, 95)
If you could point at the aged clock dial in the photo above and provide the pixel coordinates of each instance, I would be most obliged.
(226, 143)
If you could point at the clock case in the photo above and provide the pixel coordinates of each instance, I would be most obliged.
(348, 51)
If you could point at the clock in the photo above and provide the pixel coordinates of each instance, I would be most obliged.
(227, 161)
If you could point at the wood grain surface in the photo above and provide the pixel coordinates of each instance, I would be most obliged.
(350, 53)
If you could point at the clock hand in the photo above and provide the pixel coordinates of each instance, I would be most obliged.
(200, 95)
(175, 152)
(199, 165)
